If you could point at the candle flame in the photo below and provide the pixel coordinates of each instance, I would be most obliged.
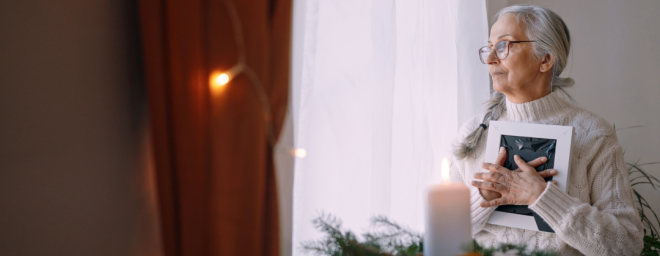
(444, 171)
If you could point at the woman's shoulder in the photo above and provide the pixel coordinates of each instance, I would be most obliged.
(587, 123)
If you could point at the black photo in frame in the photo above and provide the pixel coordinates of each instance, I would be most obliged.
(528, 148)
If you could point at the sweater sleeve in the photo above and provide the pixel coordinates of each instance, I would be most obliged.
(609, 225)
(479, 214)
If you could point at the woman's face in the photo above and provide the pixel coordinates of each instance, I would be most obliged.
(519, 75)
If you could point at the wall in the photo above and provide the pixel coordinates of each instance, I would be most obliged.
(72, 142)
(614, 61)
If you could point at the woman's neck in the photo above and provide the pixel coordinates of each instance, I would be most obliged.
(544, 108)
(528, 94)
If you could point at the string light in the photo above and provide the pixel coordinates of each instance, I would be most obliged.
(300, 152)
(220, 79)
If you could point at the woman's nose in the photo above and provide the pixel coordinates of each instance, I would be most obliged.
(492, 58)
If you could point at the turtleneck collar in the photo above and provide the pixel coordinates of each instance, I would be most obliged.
(541, 109)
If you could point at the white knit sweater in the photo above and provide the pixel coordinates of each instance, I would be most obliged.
(596, 217)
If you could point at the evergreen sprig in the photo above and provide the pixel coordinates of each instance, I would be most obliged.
(390, 239)
(646, 213)
(638, 177)
(510, 249)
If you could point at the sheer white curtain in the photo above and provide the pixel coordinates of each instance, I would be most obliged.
(379, 90)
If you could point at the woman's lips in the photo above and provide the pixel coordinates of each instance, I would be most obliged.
(497, 73)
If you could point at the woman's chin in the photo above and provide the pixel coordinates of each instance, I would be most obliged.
(499, 86)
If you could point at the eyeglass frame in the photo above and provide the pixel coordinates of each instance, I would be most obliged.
(507, 49)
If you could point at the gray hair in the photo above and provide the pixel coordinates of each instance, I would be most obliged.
(552, 37)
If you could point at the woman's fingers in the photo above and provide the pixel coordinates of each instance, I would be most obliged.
(548, 173)
(490, 176)
(493, 186)
(493, 167)
(489, 195)
(522, 165)
(501, 156)
(555, 182)
(494, 202)
(536, 162)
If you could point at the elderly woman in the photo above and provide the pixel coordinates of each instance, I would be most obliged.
(527, 51)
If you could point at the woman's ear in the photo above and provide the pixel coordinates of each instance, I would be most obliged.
(547, 62)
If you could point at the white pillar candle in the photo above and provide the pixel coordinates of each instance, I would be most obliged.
(448, 222)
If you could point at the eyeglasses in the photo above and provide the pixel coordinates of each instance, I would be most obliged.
(501, 48)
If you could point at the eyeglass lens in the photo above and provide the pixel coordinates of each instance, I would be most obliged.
(501, 48)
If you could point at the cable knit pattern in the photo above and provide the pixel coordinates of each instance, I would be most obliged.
(596, 216)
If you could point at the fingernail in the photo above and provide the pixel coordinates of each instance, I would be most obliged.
(516, 157)
(543, 159)
(502, 150)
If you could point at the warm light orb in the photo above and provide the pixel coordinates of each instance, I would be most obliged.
(222, 79)
(300, 153)
(444, 171)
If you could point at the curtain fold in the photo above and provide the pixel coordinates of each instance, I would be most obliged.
(384, 87)
(214, 166)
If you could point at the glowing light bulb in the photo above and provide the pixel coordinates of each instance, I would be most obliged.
(221, 79)
(300, 153)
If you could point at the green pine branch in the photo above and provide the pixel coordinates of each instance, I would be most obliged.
(638, 177)
(387, 239)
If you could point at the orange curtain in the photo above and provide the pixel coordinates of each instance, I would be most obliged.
(214, 168)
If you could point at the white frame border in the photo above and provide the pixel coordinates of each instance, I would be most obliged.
(564, 137)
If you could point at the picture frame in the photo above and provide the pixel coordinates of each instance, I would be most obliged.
(529, 141)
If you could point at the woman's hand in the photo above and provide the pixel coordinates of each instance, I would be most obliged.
(520, 187)
(490, 194)
(501, 157)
